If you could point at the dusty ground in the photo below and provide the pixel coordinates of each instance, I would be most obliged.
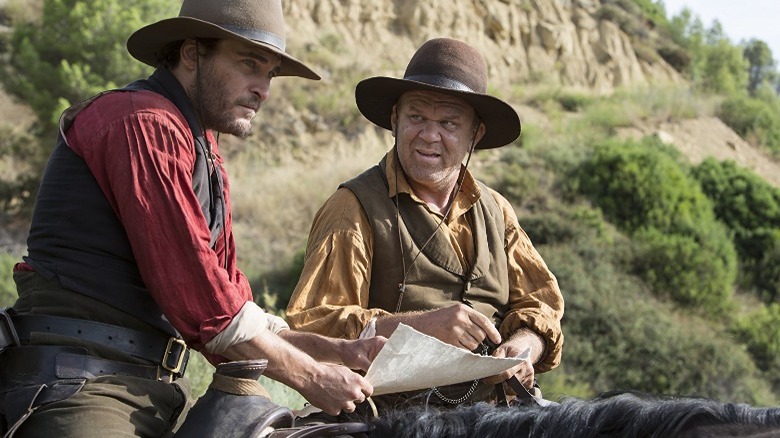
(706, 137)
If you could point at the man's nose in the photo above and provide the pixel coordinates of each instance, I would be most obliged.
(261, 88)
(430, 131)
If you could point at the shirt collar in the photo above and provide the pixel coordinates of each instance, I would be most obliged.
(467, 196)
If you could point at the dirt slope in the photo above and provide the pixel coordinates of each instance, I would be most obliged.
(706, 137)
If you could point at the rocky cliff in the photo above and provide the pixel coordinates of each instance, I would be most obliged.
(563, 41)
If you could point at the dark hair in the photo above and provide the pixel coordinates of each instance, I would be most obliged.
(168, 57)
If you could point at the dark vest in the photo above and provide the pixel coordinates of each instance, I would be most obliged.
(75, 235)
(437, 278)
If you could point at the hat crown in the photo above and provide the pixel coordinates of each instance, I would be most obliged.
(448, 63)
(246, 17)
(449, 66)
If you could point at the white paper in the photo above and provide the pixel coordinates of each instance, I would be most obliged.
(411, 360)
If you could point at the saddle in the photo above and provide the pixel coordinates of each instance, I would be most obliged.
(237, 406)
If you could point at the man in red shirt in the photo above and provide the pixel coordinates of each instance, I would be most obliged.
(131, 255)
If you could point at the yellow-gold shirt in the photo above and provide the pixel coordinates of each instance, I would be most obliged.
(332, 295)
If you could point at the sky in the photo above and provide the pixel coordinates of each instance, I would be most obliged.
(741, 19)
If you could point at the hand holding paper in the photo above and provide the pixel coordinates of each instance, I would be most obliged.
(411, 360)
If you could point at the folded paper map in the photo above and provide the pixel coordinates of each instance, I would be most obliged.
(411, 360)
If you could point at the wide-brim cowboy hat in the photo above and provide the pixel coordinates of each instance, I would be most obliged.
(448, 66)
(258, 22)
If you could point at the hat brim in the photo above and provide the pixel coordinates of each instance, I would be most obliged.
(145, 43)
(376, 96)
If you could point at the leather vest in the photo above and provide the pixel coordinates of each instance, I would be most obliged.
(75, 235)
(437, 279)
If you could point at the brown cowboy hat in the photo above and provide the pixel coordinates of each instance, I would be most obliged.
(448, 66)
(259, 22)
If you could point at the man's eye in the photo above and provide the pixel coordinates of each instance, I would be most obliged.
(415, 118)
(250, 63)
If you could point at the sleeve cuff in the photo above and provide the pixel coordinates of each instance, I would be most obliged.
(249, 322)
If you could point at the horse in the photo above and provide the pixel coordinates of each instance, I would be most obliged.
(236, 405)
(613, 414)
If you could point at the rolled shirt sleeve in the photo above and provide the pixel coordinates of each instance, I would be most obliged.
(331, 297)
(249, 322)
(535, 299)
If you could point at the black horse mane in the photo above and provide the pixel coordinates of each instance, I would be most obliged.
(613, 414)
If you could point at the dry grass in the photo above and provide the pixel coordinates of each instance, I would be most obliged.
(274, 204)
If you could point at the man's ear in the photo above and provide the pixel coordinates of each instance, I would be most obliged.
(479, 133)
(188, 54)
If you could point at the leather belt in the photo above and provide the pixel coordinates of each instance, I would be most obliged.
(171, 353)
(39, 364)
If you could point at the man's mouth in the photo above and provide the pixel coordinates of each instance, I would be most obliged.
(429, 154)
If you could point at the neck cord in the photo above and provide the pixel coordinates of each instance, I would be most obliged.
(458, 184)
(208, 152)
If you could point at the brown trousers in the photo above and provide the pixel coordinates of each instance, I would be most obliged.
(108, 406)
(112, 406)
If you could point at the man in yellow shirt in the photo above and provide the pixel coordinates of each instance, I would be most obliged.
(417, 240)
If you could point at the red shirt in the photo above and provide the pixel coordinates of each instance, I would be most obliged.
(141, 151)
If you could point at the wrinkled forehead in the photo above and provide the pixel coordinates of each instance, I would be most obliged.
(416, 98)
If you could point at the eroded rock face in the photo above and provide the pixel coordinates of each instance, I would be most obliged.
(558, 41)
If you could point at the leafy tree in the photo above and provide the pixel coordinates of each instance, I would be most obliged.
(716, 64)
(723, 68)
(687, 31)
(762, 65)
(75, 51)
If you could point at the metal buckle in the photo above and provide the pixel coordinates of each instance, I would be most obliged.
(8, 335)
(178, 348)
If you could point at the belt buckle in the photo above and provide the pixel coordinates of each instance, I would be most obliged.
(175, 353)
(8, 335)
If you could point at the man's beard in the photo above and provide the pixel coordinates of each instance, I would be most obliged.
(209, 96)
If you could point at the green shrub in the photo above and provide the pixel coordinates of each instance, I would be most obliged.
(640, 185)
(653, 12)
(573, 102)
(646, 191)
(754, 119)
(760, 330)
(619, 337)
(567, 100)
(750, 208)
(686, 269)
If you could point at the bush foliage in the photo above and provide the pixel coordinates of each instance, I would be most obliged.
(619, 337)
(750, 207)
(760, 330)
(755, 119)
(646, 191)
(52, 72)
